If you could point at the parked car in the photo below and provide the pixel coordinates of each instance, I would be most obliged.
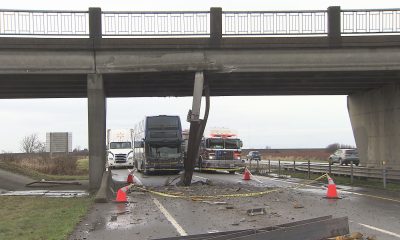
(344, 156)
(253, 155)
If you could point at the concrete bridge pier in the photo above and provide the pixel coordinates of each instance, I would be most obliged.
(97, 129)
(375, 119)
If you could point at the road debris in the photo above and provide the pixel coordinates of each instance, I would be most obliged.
(113, 218)
(297, 205)
(352, 236)
(256, 211)
(215, 203)
(44, 182)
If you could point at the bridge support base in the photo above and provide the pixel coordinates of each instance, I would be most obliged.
(97, 129)
(375, 118)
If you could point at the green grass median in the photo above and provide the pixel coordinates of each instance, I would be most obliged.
(40, 217)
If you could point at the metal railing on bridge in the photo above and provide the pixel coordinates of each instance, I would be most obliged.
(370, 21)
(274, 23)
(211, 23)
(44, 23)
(155, 23)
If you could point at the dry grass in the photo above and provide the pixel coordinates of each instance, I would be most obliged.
(43, 163)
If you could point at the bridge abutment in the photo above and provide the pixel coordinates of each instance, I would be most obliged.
(97, 128)
(375, 119)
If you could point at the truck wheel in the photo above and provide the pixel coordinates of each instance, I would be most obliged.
(231, 172)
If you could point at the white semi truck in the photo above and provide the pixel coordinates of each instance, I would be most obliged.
(119, 148)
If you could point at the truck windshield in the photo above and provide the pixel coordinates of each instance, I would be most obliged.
(215, 143)
(120, 145)
(163, 122)
(232, 144)
(157, 151)
(223, 143)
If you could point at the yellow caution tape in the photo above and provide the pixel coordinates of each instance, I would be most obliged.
(308, 182)
(202, 197)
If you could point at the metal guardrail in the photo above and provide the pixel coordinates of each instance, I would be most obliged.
(274, 23)
(378, 173)
(357, 171)
(155, 23)
(370, 21)
(198, 23)
(44, 23)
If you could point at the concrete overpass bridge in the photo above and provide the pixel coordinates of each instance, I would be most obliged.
(95, 54)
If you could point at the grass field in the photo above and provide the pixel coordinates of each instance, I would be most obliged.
(40, 218)
(39, 175)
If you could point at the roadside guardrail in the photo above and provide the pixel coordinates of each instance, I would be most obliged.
(277, 167)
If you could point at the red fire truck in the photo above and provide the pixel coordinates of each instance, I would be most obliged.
(220, 150)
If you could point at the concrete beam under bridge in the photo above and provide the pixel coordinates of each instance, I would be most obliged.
(97, 128)
(375, 118)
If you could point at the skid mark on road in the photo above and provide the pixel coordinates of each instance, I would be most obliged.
(379, 230)
(169, 217)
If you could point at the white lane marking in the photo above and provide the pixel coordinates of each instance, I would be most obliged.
(169, 217)
(380, 230)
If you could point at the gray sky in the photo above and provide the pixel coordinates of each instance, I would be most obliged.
(278, 122)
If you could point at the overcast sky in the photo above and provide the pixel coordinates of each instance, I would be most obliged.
(275, 121)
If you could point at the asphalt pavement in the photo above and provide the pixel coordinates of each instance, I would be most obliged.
(149, 216)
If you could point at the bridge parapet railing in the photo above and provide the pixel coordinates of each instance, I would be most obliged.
(44, 23)
(274, 23)
(155, 23)
(370, 21)
(215, 23)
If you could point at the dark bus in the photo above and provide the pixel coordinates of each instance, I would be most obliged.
(158, 144)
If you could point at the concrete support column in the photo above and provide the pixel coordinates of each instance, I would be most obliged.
(375, 119)
(97, 128)
(334, 23)
(215, 26)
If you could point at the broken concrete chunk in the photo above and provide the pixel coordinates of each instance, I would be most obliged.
(114, 218)
(298, 205)
(214, 203)
(356, 235)
(256, 211)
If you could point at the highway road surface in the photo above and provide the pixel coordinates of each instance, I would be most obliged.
(149, 216)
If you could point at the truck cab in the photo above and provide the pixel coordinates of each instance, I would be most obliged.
(119, 148)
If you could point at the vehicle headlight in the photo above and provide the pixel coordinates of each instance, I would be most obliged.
(130, 156)
(211, 157)
(110, 156)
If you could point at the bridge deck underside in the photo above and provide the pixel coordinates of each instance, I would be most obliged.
(161, 84)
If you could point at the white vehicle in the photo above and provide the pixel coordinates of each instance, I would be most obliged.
(119, 148)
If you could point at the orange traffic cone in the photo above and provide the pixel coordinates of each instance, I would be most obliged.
(129, 180)
(331, 193)
(246, 174)
(121, 195)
